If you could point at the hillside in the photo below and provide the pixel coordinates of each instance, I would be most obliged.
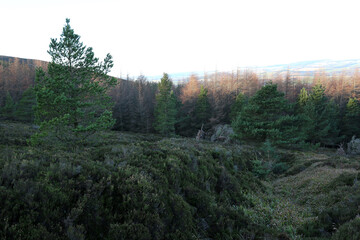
(136, 186)
(16, 75)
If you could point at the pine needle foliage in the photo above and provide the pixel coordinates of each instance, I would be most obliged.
(72, 100)
(165, 109)
(268, 116)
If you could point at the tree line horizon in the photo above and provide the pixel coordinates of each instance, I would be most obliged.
(220, 98)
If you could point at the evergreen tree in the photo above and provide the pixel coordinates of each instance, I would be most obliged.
(25, 108)
(237, 106)
(302, 99)
(350, 123)
(165, 109)
(321, 118)
(267, 117)
(202, 108)
(185, 126)
(7, 111)
(72, 99)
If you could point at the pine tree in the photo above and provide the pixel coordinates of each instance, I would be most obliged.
(165, 109)
(302, 99)
(25, 108)
(266, 116)
(350, 123)
(237, 106)
(321, 118)
(188, 94)
(72, 100)
(202, 109)
(7, 111)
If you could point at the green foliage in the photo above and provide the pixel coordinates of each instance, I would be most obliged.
(141, 188)
(320, 118)
(165, 109)
(267, 116)
(276, 213)
(7, 111)
(132, 186)
(269, 161)
(350, 123)
(202, 108)
(349, 230)
(269, 150)
(72, 100)
(261, 168)
(302, 98)
(25, 108)
(237, 106)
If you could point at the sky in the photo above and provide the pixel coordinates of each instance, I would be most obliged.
(150, 37)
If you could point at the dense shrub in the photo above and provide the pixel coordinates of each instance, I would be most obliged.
(349, 231)
(167, 189)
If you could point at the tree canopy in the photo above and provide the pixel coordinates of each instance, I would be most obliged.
(267, 117)
(72, 99)
(165, 109)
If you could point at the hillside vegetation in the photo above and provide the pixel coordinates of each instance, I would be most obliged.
(126, 186)
(134, 186)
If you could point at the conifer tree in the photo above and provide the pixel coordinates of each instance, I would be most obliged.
(202, 109)
(266, 117)
(25, 108)
(302, 99)
(188, 94)
(7, 111)
(72, 100)
(321, 124)
(165, 109)
(351, 120)
(237, 106)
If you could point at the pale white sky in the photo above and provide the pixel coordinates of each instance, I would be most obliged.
(154, 36)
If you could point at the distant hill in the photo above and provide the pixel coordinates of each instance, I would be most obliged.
(16, 75)
(303, 68)
(310, 67)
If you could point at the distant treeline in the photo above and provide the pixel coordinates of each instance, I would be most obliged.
(209, 101)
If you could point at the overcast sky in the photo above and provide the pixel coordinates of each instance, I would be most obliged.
(154, 36)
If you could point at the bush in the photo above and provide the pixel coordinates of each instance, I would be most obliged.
(168, 189)
(349, 230)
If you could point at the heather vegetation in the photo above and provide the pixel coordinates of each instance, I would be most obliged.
(87, 156)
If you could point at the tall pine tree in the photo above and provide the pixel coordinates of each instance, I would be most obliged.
(351, 121)
(72, 100)
(302, 99)
(165, 109)
(236, 108)
(320, 118)
(202, 108)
